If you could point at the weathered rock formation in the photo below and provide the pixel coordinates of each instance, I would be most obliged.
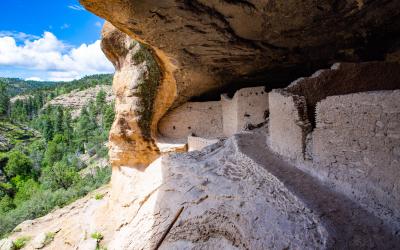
(202, 46)
(77, 99)
(212, 43)
(233, 195)
(322, 172)
(144, 90)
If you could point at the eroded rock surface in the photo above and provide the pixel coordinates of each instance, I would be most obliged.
(232, 195)
(143, 94)
(212, 43)
(76, 100)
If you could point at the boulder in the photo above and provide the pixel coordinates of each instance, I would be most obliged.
(6, 244)
(39, 241)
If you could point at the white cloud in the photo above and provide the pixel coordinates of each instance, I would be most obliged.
(76, 7)
(18, 36)
(55, 59)
(98, 24)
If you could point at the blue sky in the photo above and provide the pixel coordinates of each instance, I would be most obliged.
(49, 40)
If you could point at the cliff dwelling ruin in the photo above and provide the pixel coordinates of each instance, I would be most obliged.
(291, 114)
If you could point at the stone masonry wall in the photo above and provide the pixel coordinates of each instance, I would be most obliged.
(198, 143)
(229, 111)
(203, 119)
(356, 145)
(292, 110)
(248, 107)
(288, 124)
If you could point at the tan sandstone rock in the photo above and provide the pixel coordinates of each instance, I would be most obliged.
(6, 244)
(213, 43)
(233, 195)
(143, 90)
(197, 47)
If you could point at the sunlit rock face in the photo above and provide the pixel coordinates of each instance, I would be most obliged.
(211, 46)
(141, 98)
(214, 43)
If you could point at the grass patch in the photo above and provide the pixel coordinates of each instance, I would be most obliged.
(49, 238)
(21, 242)
(99, 196)
(97, 236)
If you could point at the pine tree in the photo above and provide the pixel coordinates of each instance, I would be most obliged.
(4, 99)
(48, 130)
(101, 99)
(108, 118)
(59, 118)
(67, 127)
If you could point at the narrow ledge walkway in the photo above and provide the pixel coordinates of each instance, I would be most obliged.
(350, 225)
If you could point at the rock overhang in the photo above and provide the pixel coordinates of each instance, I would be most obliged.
(213, 44)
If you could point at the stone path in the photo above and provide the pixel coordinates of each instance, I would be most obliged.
(351, 226)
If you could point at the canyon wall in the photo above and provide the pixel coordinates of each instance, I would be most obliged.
(274, 187)
(144, 91)
(210, 47)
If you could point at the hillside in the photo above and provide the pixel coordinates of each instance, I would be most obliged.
(19, 86)
(12, 134)
(50, 155)
(77, 99)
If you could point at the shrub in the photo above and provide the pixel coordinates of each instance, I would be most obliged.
(44, 200)
(18, 164)
(6, 204)
(49, 238)
(99, 196)
(21, 242)
(97, 236)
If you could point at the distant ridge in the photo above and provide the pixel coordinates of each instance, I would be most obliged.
(17, 86)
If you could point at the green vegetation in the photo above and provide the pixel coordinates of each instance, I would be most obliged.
(21, 242)
(4, 99)
(40, 169)
(17, 86)
(97, 236)
(49, 238)
(99, 196)
(147, 86)
(12, 134)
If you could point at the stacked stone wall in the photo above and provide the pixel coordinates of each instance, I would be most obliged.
(356, 146)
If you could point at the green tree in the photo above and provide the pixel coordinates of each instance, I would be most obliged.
(18, 164)
(47, 128)
(59, 118)
(4, 99)
(6, 204)
(36, 153)
(109, 116)
(60, 175)
(101, 99)
(67, 127)
(85, 128)
(55, 150)
(25, 190)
